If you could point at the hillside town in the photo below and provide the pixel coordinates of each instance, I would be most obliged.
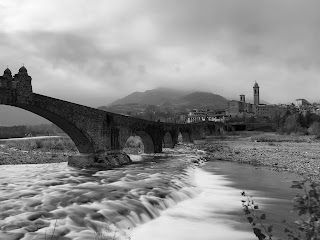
(244, 110)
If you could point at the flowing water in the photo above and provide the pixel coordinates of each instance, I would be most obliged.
(158, 197)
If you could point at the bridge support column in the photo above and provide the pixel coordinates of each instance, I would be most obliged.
(105, 160)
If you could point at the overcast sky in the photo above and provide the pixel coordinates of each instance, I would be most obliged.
(95, 51)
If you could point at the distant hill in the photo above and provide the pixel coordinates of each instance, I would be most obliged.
(202, 100)
(125, 109)
(156, 96)
(166, 98)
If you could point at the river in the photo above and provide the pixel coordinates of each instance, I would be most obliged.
(161, 196)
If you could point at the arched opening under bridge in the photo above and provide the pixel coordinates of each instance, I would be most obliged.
(82, 142)
(180, 138)
(167, 140)
(141, 141)
(29, 131)
(183, 137)
(134, 145)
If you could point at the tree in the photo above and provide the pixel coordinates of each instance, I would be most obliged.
(152, 112)
(314, 129)
(291, 123)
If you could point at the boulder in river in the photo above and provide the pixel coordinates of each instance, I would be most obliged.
(99, 160)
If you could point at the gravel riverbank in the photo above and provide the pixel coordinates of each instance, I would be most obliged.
(298, 154)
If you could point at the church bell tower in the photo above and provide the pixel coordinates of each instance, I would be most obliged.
(256, 99)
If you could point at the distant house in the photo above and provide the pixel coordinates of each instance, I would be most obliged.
(200, 115)
(315, 109)
(304, 107)
(301, 102)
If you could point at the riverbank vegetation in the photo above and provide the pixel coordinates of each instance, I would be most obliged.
(289, 123)
(30, 130)
(307, 204)
(277, 138)
(45, 144)
(34, 151)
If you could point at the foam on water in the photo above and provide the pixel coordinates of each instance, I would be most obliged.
(207, 216)
(157, 197)
(39, 200)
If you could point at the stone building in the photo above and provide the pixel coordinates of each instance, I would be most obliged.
(256, 94)
(302, 102)
(266, 110)
(20, 84)
(243, 109)
(5, 86)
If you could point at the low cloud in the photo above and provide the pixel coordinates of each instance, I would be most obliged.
(101, 51)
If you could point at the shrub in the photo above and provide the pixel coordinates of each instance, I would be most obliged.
(314, 129)
(249, 209)
(63, 144)
(292, 124)
(39, 144)
(308, 206)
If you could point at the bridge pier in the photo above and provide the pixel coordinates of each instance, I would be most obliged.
(105, 160)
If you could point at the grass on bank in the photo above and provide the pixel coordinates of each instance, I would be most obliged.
(275, 137)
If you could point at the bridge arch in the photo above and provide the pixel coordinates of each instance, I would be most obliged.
(185, 137)
(168, 140)
(179, 138)
(147, 141)
(138, 136)
(207, 130)
(133, 145)
(80, 139)
(212, 129)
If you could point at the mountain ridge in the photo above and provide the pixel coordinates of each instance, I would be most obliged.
(152, 97)
(203, 100)
(166, 98)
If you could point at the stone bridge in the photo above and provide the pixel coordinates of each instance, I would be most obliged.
(99, 136)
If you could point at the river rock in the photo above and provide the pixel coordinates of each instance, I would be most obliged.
(99, 160)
